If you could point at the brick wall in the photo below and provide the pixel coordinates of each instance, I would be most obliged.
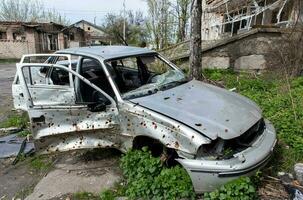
(15, 49)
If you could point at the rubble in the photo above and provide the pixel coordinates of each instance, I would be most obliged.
(298, 169)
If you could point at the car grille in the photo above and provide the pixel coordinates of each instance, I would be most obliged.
(252, 134)
(225, 149)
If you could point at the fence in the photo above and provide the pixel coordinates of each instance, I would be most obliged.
(14, 49)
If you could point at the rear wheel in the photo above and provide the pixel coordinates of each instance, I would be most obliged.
(157, 149)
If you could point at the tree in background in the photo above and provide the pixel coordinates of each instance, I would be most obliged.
(182, 10)
(29, 11)
(195, 58)
(167, 22)
(160, 23)
(134, 27)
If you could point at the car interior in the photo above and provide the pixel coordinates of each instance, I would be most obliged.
(128, 74)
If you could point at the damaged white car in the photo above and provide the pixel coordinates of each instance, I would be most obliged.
(127, 97)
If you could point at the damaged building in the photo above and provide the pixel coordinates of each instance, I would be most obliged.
(242, 34)
(222, 18)
(18, 38)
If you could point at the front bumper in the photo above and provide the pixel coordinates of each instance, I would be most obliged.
(208, 175)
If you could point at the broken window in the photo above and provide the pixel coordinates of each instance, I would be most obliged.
(92, 70)
(52, 42)
(72, 36)
(3, 36)
(143, 75)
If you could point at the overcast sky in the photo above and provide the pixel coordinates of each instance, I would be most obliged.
(75, 10)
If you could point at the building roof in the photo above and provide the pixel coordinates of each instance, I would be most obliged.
(89, 23)
(107, 52)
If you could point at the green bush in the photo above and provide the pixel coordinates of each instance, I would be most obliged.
(147, 178)
(239, 189)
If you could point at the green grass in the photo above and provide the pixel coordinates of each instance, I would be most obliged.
(84, 196)
(9, 60)
(24, 192)
(41, 163)
(15, 120)
(24, 133)
(283, 107)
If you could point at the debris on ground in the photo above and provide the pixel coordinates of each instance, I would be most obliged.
(10, 130)
(11, 145)
(272, 189)
(299, 172)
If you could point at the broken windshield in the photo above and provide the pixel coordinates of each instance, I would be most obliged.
(144, 75)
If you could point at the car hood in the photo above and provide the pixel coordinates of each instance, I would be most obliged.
(213, 111)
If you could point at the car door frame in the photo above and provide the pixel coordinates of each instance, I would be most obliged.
(101, 132)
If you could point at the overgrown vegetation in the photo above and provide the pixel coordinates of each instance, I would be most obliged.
(281, 103)
(85, 196)
(40, 163)
(148, 178)
(19, 120)
(24, 133)
(239, 189)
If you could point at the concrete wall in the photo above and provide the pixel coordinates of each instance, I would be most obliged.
(253, 50)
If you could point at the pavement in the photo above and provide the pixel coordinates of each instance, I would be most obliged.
(74, 174)
(7, 73)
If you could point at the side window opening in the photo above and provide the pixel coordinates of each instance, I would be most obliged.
(62, 94)
(92, 70)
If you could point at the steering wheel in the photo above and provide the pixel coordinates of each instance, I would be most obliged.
(150, 78)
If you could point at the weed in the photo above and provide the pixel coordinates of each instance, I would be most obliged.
(107, 195)
(15, 120)
(23, 193)
(239, 189)
(147, 178)
(24, 133)
(84, 196)
(40, 163)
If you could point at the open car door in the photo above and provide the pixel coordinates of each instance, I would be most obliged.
(58, 121)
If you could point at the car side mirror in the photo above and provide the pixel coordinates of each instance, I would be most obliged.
(97, 107)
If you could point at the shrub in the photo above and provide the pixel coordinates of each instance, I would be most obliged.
(239, 189)
(147, 178)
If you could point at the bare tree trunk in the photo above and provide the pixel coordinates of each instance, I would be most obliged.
(195, 58)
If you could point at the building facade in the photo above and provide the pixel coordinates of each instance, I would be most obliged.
(225, 18)
(18, 38)
(94, 35)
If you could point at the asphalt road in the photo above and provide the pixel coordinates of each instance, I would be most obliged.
(7, 73)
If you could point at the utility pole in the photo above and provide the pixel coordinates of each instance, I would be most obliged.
(124, 22)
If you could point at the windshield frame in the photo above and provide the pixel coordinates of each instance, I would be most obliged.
(158, 55)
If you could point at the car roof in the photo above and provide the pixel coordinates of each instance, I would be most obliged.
(108, 52)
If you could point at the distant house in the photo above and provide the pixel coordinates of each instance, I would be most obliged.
(94, 35)
(18, 38)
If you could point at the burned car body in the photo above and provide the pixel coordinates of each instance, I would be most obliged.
(126, 97)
